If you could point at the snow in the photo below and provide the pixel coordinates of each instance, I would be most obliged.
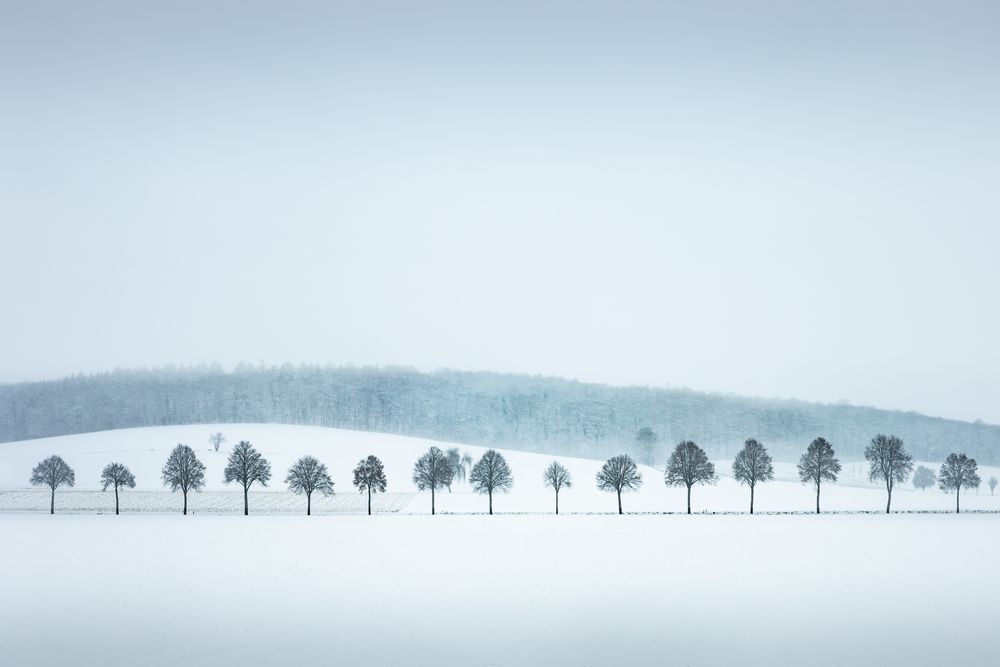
(397, 589)
(145, 449)
(588, 587)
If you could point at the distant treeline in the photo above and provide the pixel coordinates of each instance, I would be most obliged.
(541, 414)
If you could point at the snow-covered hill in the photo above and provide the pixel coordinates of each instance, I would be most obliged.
(144, 450)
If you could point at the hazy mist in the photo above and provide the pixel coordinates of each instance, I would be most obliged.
(769, 198)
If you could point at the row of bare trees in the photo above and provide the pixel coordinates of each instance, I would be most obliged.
(437, 469)
(889, 464)
(688, 466)
(246, 466)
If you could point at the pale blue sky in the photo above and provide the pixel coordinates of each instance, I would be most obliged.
(770, 198)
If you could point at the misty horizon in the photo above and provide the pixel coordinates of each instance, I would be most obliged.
(791, 201)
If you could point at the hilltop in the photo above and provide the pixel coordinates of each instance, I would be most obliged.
(529, 413)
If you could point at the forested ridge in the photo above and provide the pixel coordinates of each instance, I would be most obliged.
(543, 414)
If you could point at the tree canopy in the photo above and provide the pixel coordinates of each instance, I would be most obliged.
(753, 465)
(53, 472)
(618, 474)
(245, 466)
(957, 472)
(432, 471)
(924, 478)
(307, 476)
(490, 474)
(118, 476)
(183, 471)
(369, 476)
(888, 462)
(689, 465)
(819, 464)
(557, 478)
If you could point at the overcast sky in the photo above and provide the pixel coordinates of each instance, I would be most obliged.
(770, 198)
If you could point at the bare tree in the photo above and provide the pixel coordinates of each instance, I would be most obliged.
(491, 473)
(993, 484)
(308, 475)
(619, 473)
(455, 460)
(432, 471)
(184, 471)
(645, 442)
(819, 463)
(466, 464)
(689, 465)
(369, 475)
(888, 462)
(924, 478)
(753, 465)
(246, 466)
(958, 470)
(118, 476)
(53, 472)
(557, 477)
(217, 440)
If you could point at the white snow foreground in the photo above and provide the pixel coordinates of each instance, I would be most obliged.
(502, 590)
(144, 451)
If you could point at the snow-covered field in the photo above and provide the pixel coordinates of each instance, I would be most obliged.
(144, 450)
(404, 588)
(397, 589)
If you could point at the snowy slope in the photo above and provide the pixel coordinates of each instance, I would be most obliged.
(145, 449)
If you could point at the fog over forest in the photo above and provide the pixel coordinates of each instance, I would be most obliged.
(543, 414)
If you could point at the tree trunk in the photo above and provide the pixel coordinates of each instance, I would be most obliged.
(116, 500)
(491, 502)
(309, 504)
(432, 501)
(689, 499)
(246, 504)
(620, 501)
(888, 502)
(52, 502)
(557, 502)
(958, 490)
(369, 500)
(817, 497)
(185, 503)
(751, 499)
